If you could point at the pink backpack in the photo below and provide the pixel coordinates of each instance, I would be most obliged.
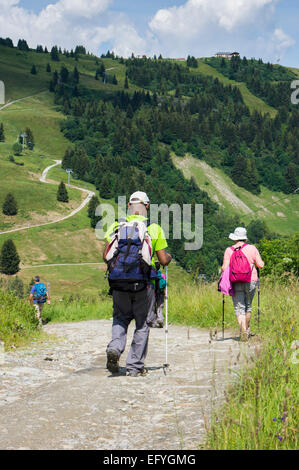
(240, 270)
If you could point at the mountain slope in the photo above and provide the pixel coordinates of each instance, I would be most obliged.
(253, 102)
(127, 137)
(279, 211)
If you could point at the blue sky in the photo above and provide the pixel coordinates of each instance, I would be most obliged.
(175, 28)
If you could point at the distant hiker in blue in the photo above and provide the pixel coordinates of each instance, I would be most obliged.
(39, 295)
(129, 254)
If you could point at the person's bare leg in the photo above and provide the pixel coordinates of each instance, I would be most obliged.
(242, 323)
(248, 317)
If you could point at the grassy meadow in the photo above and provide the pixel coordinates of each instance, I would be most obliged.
(261, 408)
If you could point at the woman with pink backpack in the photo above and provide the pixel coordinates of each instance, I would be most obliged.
(241, 260)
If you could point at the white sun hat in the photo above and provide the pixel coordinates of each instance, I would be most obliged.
(139, 197)
(240, 233)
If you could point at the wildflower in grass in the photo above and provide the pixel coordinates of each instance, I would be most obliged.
(274, 419)
(279, 437)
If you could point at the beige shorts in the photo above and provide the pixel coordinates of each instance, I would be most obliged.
(39, 309)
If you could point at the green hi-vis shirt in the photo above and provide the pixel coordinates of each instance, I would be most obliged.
(154, 230)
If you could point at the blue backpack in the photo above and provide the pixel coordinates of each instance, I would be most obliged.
(129, 257)
(40, 293)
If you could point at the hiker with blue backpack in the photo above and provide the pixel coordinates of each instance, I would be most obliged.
(129, 253)
(39, 295)
(239, 269)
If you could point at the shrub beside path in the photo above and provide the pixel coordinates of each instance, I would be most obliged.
(59, 394)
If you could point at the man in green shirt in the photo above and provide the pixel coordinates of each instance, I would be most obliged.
(134, 305)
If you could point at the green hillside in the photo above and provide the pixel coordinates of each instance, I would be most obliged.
(127, 134)
(279, 211)
(37, 201)
(253, 102)
(15, 72)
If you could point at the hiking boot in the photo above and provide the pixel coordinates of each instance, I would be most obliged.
(243, 336)
(137, 373)
(112, 361)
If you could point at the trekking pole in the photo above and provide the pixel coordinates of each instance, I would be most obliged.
(166, 320)
(223, 303)
(258, 298)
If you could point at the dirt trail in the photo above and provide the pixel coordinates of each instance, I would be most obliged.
(10, 103)
(59, 395)
(43, 179)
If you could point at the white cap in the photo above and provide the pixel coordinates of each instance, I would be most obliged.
(239, 234)
(138, 197)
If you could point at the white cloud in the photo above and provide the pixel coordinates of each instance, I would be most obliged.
(282, 40)
(198, 27)
(201, 27)
(275, 44)
(195, 15)
(70, 22)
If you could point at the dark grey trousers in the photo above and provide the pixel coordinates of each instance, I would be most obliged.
(129, 306)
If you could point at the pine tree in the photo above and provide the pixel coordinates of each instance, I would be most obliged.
(9, 258)
(76, 75)
(106, 189)
(22, 45)
(253, 178)
(240, 171)
(67, 161)
(10, 206)
(64, 75)
(126, 86)
(33, 70)
(81, 163)
(93, 203)
(54, 54)
(291, 178)
(2, 136)
(62, 194)
(29, 138)
(48, 68)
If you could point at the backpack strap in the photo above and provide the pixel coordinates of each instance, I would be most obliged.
(238, 247)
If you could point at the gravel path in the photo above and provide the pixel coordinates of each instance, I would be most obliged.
(59, 394)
